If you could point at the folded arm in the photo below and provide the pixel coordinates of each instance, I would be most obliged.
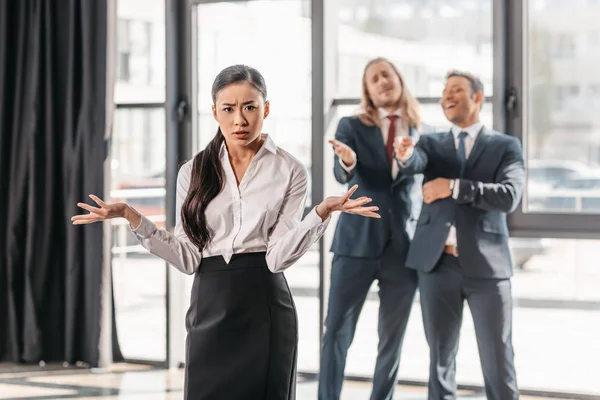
(505, 193)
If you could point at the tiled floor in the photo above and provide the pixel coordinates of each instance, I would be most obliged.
(130, 382)
(556, 320)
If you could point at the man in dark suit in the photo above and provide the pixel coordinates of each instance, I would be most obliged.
(473, 177)
(365, 252)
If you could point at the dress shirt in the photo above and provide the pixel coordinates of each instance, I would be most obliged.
(402, 129)
(472, 132)
(263, 214)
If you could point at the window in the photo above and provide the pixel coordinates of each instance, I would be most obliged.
(140, 51)
(221, 25)
(138, 161)
(594, 39)
(124, 50)
(569, 118)
(567, 96)
(134, 40)
(139, 137)
(564, 46)
(594, 92)
(424, 39)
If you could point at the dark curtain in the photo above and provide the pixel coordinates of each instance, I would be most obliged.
(52, 149)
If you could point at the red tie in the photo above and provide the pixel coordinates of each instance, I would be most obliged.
(389, 146)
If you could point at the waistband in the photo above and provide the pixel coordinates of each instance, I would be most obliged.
(238, 261)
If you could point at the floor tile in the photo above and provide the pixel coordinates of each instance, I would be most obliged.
(9, 391)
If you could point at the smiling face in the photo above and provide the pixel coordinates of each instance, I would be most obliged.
(383, 85)
(240, 110)
(460, 104)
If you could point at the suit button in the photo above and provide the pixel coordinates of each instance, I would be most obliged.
(390, 210)
(448, 224)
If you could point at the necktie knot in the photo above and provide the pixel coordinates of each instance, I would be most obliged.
(462, 135)
(392, 118)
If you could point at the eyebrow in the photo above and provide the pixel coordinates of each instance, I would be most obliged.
(244, 103)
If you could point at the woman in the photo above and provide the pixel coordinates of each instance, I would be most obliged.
(241, 202)
(364, 249)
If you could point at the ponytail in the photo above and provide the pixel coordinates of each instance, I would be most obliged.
(206, 182)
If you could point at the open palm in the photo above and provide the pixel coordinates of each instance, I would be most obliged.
(352, 206)
(103, 212)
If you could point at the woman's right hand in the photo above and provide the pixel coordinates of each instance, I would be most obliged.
(105, 211)
(347, 205)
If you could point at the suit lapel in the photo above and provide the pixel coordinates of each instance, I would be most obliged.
(449, 148)
(482, 139)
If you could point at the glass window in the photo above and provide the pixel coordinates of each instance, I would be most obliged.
(140, 51)
(139, 278)
(594, 40)
(424, 39)
(124, 50)
(562, 86)
(276, 31)
(564, 46)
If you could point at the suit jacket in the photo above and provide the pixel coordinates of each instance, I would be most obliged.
(357, 236)
(491, 187)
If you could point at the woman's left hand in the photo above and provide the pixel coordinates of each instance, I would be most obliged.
(347, 205)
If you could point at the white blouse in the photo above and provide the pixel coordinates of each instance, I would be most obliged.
(263, 214)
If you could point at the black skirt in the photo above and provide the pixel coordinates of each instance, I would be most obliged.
(242, 337)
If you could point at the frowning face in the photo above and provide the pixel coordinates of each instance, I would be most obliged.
(240, 111)
(383, 85)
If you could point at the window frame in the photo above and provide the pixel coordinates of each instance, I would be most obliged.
(521, 222)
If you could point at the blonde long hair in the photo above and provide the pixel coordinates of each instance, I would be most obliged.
(409, 106)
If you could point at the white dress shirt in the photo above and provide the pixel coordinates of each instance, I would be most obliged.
(402, 129)
(472, 132)
(263, 214)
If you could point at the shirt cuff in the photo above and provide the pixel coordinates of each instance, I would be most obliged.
(456, 189)
(402, 161)
(351, 167)
(313, 220)
(145, 229)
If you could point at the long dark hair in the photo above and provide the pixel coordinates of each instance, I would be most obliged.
(207, 177)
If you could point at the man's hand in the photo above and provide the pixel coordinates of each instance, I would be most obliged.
(404, 147)
(436, 189)
(343, 151)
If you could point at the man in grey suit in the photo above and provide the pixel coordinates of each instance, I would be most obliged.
(473, 177)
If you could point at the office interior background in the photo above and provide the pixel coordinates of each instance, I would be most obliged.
(538, 60)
